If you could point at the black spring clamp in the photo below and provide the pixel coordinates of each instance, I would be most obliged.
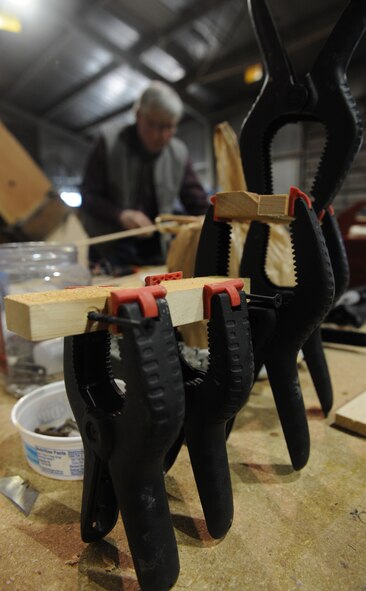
(214, 397)
(321, 95)
(127, 435)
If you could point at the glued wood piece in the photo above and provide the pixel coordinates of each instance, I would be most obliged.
(46, 315)
(245, 206)
(352, 416)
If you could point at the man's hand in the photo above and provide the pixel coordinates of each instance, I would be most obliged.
(133, 218)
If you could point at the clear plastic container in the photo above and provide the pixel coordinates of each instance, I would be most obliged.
(33, 267)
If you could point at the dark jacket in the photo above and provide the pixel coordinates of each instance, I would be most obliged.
(120, 175)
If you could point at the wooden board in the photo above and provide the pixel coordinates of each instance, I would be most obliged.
(245, 206)
(352, 416)
(46, 315)
(23, 186)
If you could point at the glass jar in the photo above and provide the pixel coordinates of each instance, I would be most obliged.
(33, 267)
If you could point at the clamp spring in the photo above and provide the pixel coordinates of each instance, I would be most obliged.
(145, 324)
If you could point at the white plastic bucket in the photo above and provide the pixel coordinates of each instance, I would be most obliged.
(56, 457)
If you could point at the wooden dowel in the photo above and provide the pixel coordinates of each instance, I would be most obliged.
(125, 234)
(352, 416)
(165, 222)
(181, 219)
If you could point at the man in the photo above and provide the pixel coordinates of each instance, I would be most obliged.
(136, 173)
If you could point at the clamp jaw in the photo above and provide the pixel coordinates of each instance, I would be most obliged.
(215, 397)
(127, 435)
(322, 95)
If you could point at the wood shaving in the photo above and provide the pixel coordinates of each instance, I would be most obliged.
(74, 560)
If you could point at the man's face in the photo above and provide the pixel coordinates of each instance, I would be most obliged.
(155, 129)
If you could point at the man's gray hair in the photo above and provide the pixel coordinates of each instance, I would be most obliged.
(161, 97)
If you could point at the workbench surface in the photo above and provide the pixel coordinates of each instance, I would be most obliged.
(292, 530)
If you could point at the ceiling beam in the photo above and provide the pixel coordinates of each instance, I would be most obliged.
(37, 66)
(194, 107)
(296, 39)
(58, 44)
(70, 96)
(185, 18)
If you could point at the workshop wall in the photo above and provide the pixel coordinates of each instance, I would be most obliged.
(63, 160)
(198, 136)
(297, 150)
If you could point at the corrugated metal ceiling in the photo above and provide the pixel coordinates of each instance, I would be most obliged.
(79, 62)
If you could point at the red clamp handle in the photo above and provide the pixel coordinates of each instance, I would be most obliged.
(322, 213)
(145, 296)
(294, 194)
(232, 287)
(156, 279)
(213, 200)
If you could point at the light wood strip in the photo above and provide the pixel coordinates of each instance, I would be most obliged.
(352, 416)
(46, 315)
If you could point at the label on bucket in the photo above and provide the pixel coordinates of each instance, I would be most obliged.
(56, 462)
